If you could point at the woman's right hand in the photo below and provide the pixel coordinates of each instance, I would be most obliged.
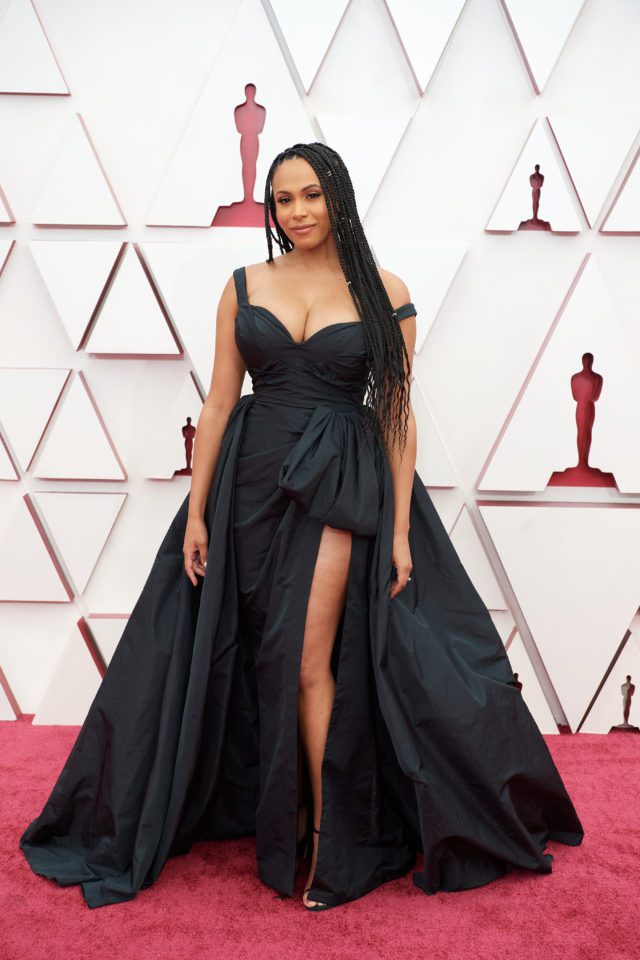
(195, 548)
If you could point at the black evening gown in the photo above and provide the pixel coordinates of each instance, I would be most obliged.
(193, 733)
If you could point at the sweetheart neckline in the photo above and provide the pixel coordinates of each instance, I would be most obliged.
(302, 343)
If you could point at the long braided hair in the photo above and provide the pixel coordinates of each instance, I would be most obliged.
(388, 383)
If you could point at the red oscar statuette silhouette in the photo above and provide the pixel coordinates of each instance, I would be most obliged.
(586, 387)
(627, 689)
(536, 180)
(249, 117)
(188, 432)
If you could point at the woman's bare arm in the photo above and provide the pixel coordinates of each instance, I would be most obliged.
(402, 469)
(224, 392)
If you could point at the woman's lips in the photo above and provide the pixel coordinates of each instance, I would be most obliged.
(303, 229)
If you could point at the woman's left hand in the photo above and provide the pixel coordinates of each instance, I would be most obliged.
(402, 563)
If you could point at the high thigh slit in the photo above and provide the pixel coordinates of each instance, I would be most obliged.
(330, 561)
(193, 734)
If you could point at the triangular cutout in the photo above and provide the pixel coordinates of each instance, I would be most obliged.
(532, 692)
(75, 273)
(79, 525)
(131, 295)
(572, 569)
(78, 446)
(107, 630)
(27, 62)
(367, 144)
(432, 462)
(190, 278)
(540, 436)
(76, 192)
(428, 271)
(28, 396)
(205, 173)
(608, 710)
(22, 548)
(425, 30)
(73, 686)
(594, 149)
(473, 555)
(308, 47)
(541, 30)
(556, 205)
(163, 425)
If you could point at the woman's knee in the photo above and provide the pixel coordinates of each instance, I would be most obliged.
(325, 604)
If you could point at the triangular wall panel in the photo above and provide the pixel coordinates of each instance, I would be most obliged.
(27, 62)
(532, 692)
(424, 30)
(429, 273)
(558, 204)
(608, 709)
(540, 435)
(28, 397)
(594, 149)
(465, 539)
(541, 30)
(76, 192)
(432, 462)
(190, 278)
(308, 47)
(78, 446)
(206, 171)
(75, 273)
(131, 321)
(573, 571)
(107, 632)
(367, 145)
(28, 571)
(79, 524)
(73, 686)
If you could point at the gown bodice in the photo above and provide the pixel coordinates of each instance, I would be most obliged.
(330, 366)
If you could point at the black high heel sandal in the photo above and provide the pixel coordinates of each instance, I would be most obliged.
(318, 905)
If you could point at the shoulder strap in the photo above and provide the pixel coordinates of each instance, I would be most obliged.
(240, 279)
(406, 310)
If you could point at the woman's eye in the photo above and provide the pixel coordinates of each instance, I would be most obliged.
(282, 199)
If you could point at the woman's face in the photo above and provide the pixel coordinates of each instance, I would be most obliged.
(300, 202)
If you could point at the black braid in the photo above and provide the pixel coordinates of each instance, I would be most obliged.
(388, 382)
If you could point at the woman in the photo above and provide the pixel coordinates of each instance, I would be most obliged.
(307, 638)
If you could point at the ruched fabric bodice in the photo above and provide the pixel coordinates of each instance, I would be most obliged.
(330, 367)
(193, 734)
(334, 471)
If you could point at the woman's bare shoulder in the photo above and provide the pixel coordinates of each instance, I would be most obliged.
(263, 267)
(396, 288)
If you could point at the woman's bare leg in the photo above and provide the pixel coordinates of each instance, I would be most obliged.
(317, 685)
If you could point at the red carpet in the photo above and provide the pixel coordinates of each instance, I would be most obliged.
(210, 903)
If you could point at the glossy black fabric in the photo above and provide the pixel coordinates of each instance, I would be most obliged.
(193, 732)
